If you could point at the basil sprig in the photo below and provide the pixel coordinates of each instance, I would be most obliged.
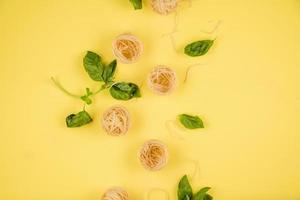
(198, 48)
(124, 91)
(79, 119)
(105, 74)
(185, 192)
(137, 4)
(190, 122)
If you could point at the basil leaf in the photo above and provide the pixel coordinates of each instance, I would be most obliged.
(191, 122)
(184, 191)
(79, 119)
(208, 197)
(198, 48)
(201, 195)
(137, 4)
(109, 72)
(86, 98)
(124, 91)
(93, 66)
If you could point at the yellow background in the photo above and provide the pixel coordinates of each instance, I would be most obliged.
(247, 94)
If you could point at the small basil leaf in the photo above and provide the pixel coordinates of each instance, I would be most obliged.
(86, 98)
(93, 66)
(184, 191)
(201, 195)
(109, 72)
(137, 4)
(191, 122)
(198, 48)
(124, 91)
(79, 119)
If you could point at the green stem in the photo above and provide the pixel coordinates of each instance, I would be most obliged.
(59, 86)
(103, 87)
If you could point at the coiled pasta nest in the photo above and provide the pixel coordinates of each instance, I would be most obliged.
(153, 155)
(115, 193)
(116, 121)
(162, 80)
(164, 7)
(127, 48)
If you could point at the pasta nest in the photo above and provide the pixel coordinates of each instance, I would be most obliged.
(153, 155)
(127, 48)
(164, 7)
(162, 80)
(115, 193)
(116, 121)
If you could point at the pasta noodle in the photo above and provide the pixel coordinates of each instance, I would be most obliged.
(162, 80)
(153, 155)
(127, 48)
(115, 193)
(164, 7)
(116, 121)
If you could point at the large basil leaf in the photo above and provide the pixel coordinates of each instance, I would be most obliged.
(137, 4)
(124, 91)
(198, 48)
(79, 119)
(184, 191)
(93, 66)
(109, 72)
(201, 195)
(191, 122)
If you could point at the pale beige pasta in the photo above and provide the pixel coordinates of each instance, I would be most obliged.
(153, 155)
(127, 48)
(116, 121)
(162, 80)
(164, 7)
(115, 193)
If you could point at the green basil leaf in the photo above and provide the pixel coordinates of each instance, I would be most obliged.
(198, 48)
(191, 122)
(93, 66)
(184, 191)
(201, 195)
(208, 197)
(137, 4)
(124, 91)
(79, 119)
(109, 72)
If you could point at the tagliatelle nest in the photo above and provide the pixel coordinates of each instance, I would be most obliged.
(127, 48)
(162, 80)
(153, 155)
(164, 7)
(115, 193)
(116, 121)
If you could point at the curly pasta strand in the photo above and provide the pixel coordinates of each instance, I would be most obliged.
(153, 155)
(116, 121)
(127, 48)
(115, 193)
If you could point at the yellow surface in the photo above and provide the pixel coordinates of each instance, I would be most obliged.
(247, 94)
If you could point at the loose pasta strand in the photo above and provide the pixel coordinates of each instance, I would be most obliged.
(173, 130)
(189, 68)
